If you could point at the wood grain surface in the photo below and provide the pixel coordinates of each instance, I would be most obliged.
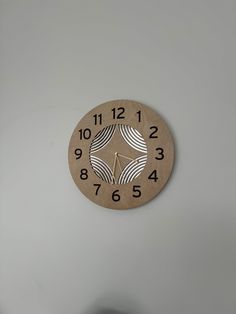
(136, 119)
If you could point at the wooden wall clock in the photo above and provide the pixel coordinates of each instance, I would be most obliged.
(121, 154)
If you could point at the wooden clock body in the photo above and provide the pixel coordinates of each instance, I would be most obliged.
(121, 154)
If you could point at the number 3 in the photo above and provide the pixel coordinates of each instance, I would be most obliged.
(160, 153)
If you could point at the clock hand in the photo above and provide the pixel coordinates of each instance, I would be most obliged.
(114, 168)
(127, 157)
(118, 161)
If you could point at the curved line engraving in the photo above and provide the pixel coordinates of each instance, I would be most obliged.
(133, 138)
(102, 138)
(102, 170)
(132, 170)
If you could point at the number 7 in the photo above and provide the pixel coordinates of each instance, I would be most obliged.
(98, 187)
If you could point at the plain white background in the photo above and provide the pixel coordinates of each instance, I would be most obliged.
(62, 254)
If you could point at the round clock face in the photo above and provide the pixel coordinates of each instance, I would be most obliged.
(121, 154)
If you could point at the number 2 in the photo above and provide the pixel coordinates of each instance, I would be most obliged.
(153, 134)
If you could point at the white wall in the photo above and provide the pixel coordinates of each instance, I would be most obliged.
(60, 253)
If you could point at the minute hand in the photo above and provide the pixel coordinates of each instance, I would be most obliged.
(114, 167)
(126, 157)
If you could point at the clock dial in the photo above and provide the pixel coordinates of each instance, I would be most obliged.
(121, 154)
(118, 164)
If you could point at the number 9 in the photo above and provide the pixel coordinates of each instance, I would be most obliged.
(78, 153)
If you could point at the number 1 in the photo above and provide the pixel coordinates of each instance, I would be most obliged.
(139, 115)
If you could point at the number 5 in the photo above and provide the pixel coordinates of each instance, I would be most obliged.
(137, 192)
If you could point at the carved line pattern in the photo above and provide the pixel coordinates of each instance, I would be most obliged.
(101, 169)
(132, 170)
(102, 138)
(133, 138)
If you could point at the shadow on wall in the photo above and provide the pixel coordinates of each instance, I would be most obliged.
(115, 305)
(109, 311)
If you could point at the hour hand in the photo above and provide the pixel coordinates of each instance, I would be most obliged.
(126, 157)
(114, 169)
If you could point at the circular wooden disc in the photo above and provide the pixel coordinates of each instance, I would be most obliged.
(121, 154)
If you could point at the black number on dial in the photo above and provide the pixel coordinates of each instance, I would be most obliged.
(136, 189)
(84, 174)
(78, 153)
(97, 187)
(139, 115)
(118, 112)
(160, 153)
(85, 134)
(153, 134)
(115, 196)
(153, 176)
(98, 119)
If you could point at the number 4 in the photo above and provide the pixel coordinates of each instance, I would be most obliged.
(153, 176)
